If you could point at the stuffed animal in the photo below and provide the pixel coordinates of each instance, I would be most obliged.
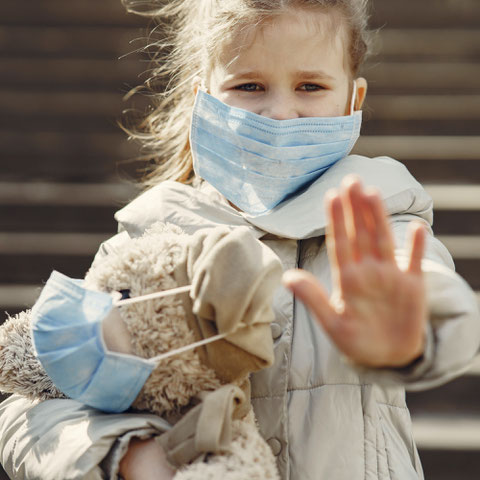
(202, 392)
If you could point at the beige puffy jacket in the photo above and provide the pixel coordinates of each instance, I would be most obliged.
(322, 418)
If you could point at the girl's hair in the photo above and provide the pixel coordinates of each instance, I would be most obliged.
(191, 35)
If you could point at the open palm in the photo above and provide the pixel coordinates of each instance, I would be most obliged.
(377, 312)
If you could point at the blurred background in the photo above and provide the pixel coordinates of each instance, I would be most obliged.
(64, 161)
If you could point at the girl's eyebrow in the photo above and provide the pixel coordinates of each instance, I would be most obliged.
(247, 74)
(313, 74)
(304, 74)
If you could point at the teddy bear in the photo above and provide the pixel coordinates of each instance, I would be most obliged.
(203, 392)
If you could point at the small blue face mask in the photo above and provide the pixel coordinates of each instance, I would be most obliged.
(257, 162)
(68, 340)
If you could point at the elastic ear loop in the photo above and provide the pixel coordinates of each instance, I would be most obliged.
(354, 95)
(186, 348)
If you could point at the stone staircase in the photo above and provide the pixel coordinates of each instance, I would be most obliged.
(64, 161)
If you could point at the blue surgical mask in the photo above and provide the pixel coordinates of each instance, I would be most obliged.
(258, 162)
(68, 340)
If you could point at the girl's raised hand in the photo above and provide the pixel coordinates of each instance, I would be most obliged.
(377, 312)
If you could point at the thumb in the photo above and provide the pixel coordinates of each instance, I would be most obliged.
(308, 289)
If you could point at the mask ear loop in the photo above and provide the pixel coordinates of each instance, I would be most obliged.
(185, 348)
(354, 97)
(150, 296)
(189, 347)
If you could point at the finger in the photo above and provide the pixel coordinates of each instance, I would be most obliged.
(381, 236)
(355, 205)
(338, 242)
(417, 236)
(307, 288)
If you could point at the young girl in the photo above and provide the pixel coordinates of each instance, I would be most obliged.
(261, 115)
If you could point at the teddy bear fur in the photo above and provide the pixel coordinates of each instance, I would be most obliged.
(155, 327)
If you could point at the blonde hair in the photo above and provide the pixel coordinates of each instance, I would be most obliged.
(191, 35)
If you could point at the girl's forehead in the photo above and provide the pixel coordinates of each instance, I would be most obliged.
(296, 35)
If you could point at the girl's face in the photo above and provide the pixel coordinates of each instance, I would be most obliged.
(295, 66)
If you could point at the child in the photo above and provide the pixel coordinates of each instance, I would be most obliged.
(333, 404)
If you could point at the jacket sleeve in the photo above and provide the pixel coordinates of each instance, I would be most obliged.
(111, 245)
(453, 327)
(63, 439)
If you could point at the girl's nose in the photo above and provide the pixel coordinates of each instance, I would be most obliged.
(279, 107)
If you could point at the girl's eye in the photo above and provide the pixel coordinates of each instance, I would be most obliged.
(249, 87)
(311, 87)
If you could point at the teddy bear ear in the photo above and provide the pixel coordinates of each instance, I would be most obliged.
(20, 370)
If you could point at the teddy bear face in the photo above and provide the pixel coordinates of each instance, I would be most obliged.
(159, 325)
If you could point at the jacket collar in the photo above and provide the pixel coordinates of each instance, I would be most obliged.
(302, 216)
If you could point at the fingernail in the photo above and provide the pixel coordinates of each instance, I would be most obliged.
(331, 193)
(351, 179)
(291, 277)
(372, 191)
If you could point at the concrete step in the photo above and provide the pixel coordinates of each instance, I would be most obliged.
(71, 74)
(420, 77)
(415, 147)
(450, 464)
(438, 14)
(77, 104)
(72, 41)
(453, 172)
(459, 432)
(424, 107)
(52, 13)
(66, 194)
(72, 157)
(427, 43)
(456, 399)
(35, 269)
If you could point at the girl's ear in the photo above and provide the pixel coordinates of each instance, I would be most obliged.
(362, 87)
